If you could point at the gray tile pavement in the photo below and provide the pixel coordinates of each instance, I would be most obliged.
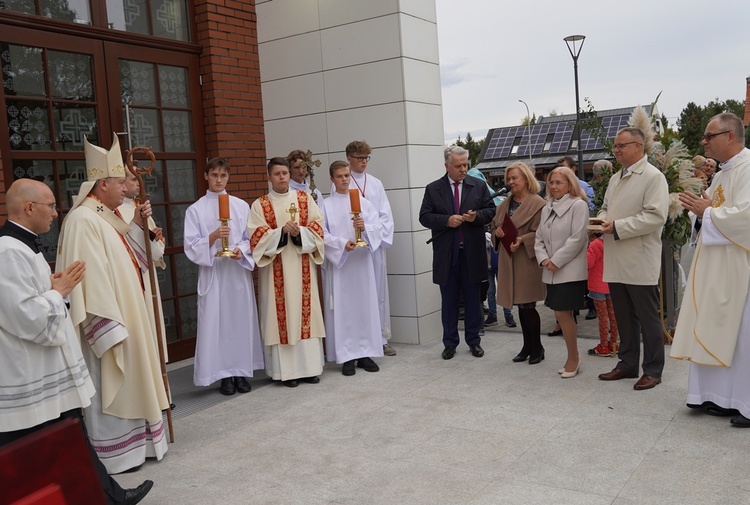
(462, 432)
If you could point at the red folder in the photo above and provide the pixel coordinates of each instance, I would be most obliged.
(511, 234)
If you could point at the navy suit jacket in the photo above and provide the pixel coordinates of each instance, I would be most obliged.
(437, 207)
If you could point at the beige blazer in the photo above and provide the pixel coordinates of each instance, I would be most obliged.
(638, 204)
(562, 238)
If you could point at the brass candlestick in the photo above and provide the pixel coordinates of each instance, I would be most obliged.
(225, 252)
(358, 233)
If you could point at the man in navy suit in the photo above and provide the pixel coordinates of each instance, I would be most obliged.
(456, 208)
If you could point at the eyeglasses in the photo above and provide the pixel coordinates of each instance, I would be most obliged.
(620, 146)
(708, 136)
(361, 159)
(52, 206)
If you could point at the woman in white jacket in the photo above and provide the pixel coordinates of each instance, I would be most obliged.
(560, 247)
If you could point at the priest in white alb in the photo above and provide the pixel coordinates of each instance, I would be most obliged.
(713, 330)
(286, 236)
(350, 292)
(110, 310)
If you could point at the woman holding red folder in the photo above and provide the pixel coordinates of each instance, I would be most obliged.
(519, 275)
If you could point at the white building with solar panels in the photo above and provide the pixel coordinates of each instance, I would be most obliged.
(550, 139)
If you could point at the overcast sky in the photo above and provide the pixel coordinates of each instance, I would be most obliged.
(495, 52)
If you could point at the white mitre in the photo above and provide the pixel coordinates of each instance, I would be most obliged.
(100, 164)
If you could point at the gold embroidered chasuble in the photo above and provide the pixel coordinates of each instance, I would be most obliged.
(131, 385)
(289, 304)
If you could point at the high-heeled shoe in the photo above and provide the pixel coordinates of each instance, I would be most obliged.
(569, 375)
(521, 357)
(554, 333)
(535, 360)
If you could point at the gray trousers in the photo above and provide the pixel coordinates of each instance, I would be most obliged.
(637, 312)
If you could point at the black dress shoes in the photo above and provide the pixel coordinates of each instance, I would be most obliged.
(311, 380)
(242, 385)
(348, 368)
(476, 351)
(135, 495)
(740, 421)
(521, 357)
(227, 386)
(535, 360)
(368, 364)
(715, 410)
(449, 352)
(291, 383)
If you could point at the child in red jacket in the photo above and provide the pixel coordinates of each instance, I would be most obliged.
(599, 292)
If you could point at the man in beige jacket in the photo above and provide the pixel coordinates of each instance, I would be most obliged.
(634, 212)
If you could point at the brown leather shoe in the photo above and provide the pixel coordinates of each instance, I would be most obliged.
(617, 374)
(646, 382)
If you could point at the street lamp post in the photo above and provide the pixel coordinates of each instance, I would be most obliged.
(528, 128)
(574, 52)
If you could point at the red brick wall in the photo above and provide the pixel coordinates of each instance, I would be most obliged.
(747, 104)
(232, 107)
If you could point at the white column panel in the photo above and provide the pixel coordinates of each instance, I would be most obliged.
(402, 209)
(380, 125)
(403, 294)
(334, 71)
(367, 84)
(426, 163)
(284, 18)
(424, 124)
(341, 12)
(419, 39)
(424, 9)
(284, 135)
(428, 294)
(390, 165)
(363, 42)
(295, 96)
(289, 57)
(422, 82)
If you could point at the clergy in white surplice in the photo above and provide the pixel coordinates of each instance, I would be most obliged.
(350, 293)
(228, 342)
(111, 311)
(286, 235)
(713, 330)
(370, 188)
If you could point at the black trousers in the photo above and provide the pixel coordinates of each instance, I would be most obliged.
(112, 490)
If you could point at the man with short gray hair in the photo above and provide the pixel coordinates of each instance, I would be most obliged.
(634, 212)
(456, 208)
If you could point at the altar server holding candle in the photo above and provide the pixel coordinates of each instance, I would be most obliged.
(228, 342)
(350, 292)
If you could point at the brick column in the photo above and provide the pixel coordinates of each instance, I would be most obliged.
(747, 104)
(232, 106)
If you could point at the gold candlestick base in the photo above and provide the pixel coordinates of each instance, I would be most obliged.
(224, 252)
(358, 234)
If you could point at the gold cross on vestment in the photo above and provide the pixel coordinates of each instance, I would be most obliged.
(292, 211)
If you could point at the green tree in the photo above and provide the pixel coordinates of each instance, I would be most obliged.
(474, 147)
(526, 121)
(693, 120)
